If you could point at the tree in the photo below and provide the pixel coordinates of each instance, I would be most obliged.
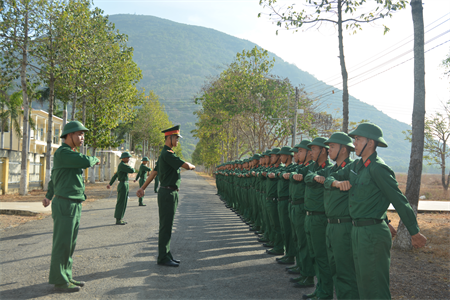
(339, 13)
(403, 240)
(20, 29)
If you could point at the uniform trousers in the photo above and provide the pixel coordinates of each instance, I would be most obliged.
(167, 207)
(122, 200)
(371, 251)
(66, 221)
(141, 182)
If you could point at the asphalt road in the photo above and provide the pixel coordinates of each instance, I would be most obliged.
(220, 257)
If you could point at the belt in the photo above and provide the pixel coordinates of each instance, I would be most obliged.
(169, 188)
(311, 213)
(366, 222)
(338, 221)
(283, 198)
(298, 202)
(273, 199)
(65, 198)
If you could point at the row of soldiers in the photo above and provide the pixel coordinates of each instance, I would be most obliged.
(328, 220)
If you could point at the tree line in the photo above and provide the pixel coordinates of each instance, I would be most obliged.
(67, 51)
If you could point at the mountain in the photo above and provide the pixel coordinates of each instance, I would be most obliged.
(176, 60)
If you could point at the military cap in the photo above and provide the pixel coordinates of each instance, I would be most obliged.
(275, 150)
(370, 131)
(295, 149)
(256, 156)
(318, 141)
(145, 158)
(286, 150)
(175, 130)
(72, 126)
(125, 154)
(340, 138)
(303, 144)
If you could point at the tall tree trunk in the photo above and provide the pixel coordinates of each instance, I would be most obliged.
(344, 73)
(403, 240)
(23, 187)
(48, 152)
(84, 147)
(10, 132)
(74, 105)
(64, 114)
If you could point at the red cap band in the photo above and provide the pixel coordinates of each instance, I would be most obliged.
(172, 132)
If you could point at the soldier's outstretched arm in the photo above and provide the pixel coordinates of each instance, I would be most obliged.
(188, 166)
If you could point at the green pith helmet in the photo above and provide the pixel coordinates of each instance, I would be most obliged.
(275, 150)
(340, 138)
(303, 144)
(370, 131)
(256, 156)
(318, 141)
(266, 153)
(145, 158)
(286, 150)
(295, 149)
(73, 126)
(125, 154)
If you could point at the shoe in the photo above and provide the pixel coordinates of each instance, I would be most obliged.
(272, 252)
(254, 229)
(294, 271)
(268, 245)
(296, 279)
(305, 282)
(176, 260)
(169, 263)
(142, 204)
(121, 222)
(263, 240)
(67, 288)
(286, 261)
(78, 283)
(292, 267)
(309, 296)
(280, 258)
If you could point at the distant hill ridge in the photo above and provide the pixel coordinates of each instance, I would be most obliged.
(176, 59)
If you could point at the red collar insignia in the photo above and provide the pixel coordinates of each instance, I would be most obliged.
(367, 163)
(170, 151)
(307, 164)
(323, 165)
(343, 164)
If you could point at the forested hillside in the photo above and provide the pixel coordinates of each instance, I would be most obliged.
(176, 59)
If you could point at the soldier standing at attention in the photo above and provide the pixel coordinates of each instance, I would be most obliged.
(372, 187)
(122, 188)
(168, 170)
(67, 187)
(142, 175)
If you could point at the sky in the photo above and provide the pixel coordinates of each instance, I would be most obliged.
(380, 66)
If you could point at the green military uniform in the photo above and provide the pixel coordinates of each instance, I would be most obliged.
(67, 187)
(155, 186)
(339, 242)
(122, 188)
(272, 209)
(284, 208)
(316, 224)
(374, 187)
(304, 260)
(142, 176)
(168, 168)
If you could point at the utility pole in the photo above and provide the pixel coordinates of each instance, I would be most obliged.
(294, 131)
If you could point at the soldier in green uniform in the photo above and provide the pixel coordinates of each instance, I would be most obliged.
(66, 186)
(142, 175)
(168, 170)
(372, 187)
(338, 234)
(303, 258)
(122, 188)
(155, 187)
(286, 155)
(316, 220)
